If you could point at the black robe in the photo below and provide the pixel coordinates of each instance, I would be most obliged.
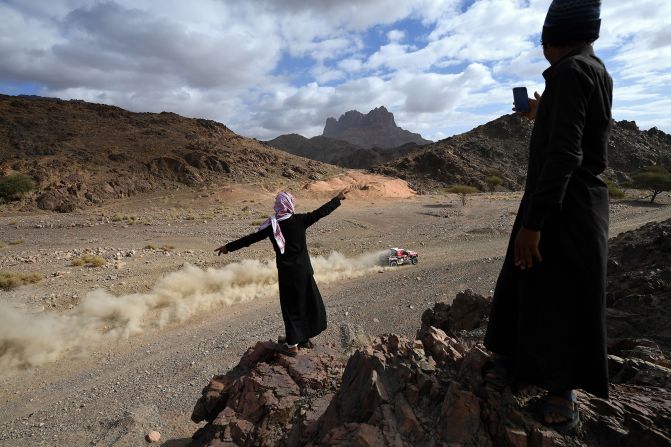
(303, 310)
(550, 319)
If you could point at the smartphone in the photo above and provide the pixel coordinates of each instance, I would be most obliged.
(521, 98)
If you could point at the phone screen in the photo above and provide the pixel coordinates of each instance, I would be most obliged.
(521, 98)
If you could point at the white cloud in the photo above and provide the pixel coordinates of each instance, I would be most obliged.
(396, 35)
(268, 67)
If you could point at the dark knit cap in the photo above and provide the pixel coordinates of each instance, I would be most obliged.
(572, 21)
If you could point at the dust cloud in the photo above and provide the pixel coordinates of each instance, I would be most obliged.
(32, 339)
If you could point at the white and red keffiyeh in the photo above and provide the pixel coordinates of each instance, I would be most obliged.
(284, 209)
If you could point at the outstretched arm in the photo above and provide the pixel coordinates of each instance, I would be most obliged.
(244, 241)
(326, 209)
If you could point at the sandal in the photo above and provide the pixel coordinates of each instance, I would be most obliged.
(306, 344)
(497, 372)
(285, 349)
(303, 345)
(570, 414)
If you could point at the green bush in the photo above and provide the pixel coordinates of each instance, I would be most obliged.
(13, 186)
(653, 178)
(493, 181)
(614, 192)
(462, 190)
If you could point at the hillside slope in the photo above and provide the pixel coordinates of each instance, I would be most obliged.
(338, 152)
(80, 153)
(500, 148)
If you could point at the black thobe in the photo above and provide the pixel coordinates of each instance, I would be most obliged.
(550, 319)
(303, 310)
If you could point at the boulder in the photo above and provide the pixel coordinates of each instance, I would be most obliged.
(267, 397)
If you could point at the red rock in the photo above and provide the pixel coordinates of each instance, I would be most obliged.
(460, 415)
(516, 437)
(441, 347)
(543, 438)
(407, 422)
(359, 435)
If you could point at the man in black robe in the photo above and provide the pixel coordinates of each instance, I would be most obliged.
(547, 322)
(302, 306)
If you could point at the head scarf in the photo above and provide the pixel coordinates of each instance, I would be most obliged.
(284, 209)
(572, 21)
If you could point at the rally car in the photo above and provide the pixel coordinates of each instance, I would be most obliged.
(400, 256)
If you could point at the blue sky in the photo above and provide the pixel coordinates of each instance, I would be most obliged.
(268, 67)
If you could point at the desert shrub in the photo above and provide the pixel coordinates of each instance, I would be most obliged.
(149, 247)
(462, 190)
(13, 186)
(614, 192)
(16, 242)
(11, 280)
(89, 261)
(167, 247)
(2, 245)
(128, 219)
(493, 181)
(653, 178)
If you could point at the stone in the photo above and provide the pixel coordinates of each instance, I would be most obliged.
(516, 437)
(460, 415)
(153, 436)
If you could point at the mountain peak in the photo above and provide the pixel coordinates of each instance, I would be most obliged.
(375, 129)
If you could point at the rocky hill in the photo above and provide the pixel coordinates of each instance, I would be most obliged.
(338, 152)
(375, 129)
(80, 153)
(500, 148)
(431, 391)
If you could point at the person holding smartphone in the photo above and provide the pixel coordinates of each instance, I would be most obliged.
(547, 325)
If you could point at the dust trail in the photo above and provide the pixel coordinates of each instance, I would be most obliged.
(32, 339)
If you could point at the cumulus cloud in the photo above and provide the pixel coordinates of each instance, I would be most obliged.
(270, 67)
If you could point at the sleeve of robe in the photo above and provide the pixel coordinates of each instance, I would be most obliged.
(248, 240)
(573, 89)
(322, 211)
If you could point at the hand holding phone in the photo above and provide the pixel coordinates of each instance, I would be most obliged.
(526, 106)
(521, 98)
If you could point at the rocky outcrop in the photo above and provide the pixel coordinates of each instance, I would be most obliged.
(391, 394)
(268, 398)
(375, 129)
(424, 392)
(639, 284)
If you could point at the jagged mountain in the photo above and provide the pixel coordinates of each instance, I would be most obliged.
(375, 129)
(500, 148)
(338, 152)
(80, 153)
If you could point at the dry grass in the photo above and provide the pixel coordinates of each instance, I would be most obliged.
(89, 261)
(2, 245)
(11, 280)
(149, 247)
(16, 242)
(167, 247)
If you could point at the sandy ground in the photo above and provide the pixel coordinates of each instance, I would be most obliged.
(112, 391)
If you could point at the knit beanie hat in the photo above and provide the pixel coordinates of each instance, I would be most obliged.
(572, 21)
